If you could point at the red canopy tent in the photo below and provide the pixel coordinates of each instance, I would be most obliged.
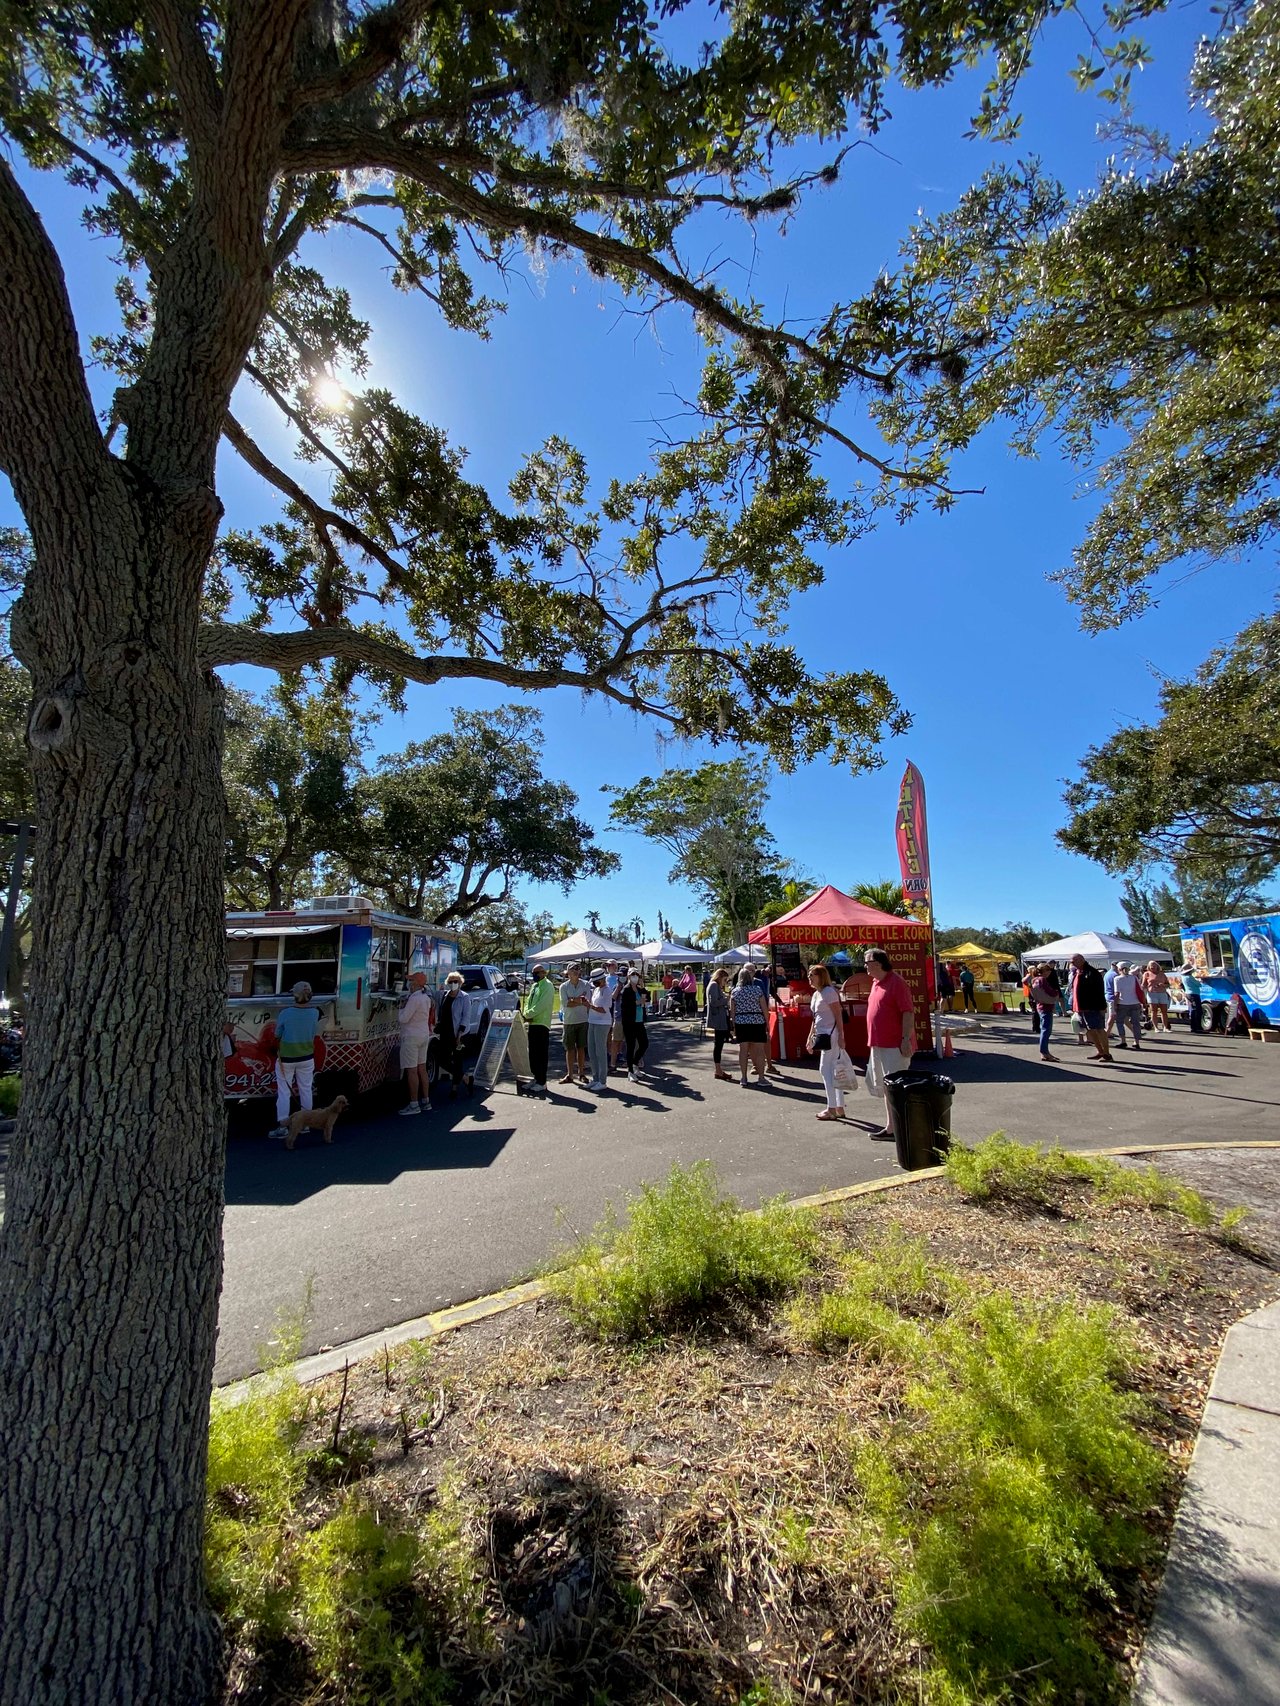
(832, 919)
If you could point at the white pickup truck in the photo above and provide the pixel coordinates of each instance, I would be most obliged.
(490, 991)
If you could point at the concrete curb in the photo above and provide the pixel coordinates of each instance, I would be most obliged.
(325, 1363)
(1214, 1639)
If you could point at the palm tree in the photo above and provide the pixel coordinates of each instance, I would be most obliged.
(593, 920)
(789, 897)
(885, 896)
(637, 925)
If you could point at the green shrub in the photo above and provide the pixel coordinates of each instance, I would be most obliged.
(377, 1597)
(254, 1480)
(367, 1595)
(10, 1094)
(1008, 1492)
(1000, 1169)
(866, 1309)
(685, 1246)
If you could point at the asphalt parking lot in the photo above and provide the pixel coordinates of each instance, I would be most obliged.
(403, 1216)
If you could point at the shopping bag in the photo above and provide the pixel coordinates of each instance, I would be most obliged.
(845, 1075)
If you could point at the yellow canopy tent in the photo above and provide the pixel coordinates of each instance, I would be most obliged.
(984, 963)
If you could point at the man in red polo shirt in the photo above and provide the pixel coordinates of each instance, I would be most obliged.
(891, 1030)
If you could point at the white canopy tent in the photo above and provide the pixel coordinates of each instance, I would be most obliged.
(586, 945)
(670, 954)
(1098, 949)
(745, 954)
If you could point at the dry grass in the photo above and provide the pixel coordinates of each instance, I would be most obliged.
(684, 1522)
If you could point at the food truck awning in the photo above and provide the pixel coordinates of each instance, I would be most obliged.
(237, 932)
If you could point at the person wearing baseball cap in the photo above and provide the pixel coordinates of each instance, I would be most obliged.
(536, 1010)
(416, 1019)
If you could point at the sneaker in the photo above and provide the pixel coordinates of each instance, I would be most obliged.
(424, 1107)
(278, 1131)
(632, 1078)
(599, 1084)
(410, 1110)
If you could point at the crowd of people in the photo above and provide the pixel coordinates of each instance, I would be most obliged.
(605, 1012)
(1104, 1005)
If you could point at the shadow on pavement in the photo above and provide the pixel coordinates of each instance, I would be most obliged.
(260, 1171)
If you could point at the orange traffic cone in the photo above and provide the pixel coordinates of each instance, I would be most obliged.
(948, 1052)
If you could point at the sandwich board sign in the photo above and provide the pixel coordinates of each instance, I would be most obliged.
(493, 1050)
(506, 1042)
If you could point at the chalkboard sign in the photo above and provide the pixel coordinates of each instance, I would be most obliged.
(493, 1050)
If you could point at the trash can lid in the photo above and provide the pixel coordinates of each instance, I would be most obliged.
(920, 1081)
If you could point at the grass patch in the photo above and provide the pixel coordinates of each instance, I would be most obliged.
(379, 1596)
(881, 1290)
(999, 1169)
(10, 1094)
(352, 1603)
(938, 1467)
(685, 1246)
(1010, 1494)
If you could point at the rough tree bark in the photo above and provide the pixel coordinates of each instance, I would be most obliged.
(110, 1254)
(111, 1259)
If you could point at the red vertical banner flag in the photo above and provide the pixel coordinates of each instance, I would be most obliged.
(913, 846)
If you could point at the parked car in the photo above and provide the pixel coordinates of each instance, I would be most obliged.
(491, 991)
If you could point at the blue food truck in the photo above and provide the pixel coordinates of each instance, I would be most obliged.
(1237, 956)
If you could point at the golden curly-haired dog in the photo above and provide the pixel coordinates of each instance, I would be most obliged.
(315, 1119)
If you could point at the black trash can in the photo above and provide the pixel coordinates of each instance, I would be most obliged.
(920, 1113)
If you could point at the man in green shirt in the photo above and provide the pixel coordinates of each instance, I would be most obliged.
(536, 1010)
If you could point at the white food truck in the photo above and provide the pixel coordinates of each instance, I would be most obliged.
(357, 960)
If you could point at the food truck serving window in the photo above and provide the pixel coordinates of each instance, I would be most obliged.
(314, 958)
(270, 960)
(1220, 950)
(388, 958)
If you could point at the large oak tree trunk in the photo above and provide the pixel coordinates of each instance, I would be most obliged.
(110, 1255)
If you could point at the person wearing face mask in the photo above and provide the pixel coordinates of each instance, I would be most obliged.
(455, 1022)
(634, 1029)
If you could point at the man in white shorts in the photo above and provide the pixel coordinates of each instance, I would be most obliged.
(416, 1018)
(891, 1030)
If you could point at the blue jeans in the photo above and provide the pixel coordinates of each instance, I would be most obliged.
(598, 1052)
(1046, 1028)
(1129, 1013)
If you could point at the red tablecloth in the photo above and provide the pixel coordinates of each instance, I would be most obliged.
(788, 1030)
(790, 1026)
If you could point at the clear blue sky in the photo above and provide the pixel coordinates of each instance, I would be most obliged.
(955, 611)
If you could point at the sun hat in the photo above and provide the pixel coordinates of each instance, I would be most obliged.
(598, 974)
